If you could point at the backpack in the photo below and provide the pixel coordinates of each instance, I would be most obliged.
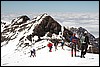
(82, 40)
(62, 43)
(74, 39)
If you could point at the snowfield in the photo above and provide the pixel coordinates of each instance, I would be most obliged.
(46, 58)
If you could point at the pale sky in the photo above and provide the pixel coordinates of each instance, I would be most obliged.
(49, 6)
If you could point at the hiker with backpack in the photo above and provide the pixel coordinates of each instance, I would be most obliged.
(84, 44)
(73, 40)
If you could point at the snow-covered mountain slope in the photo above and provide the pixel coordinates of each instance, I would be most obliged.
(19, 37)
(46, 58)
(23, 29)
(20, 25)
(22, 32)
(3, 24)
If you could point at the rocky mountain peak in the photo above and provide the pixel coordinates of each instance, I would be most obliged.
(24, 30)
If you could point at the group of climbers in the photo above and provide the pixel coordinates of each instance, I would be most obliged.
(74, 41)
(84, 41)
(55, 44)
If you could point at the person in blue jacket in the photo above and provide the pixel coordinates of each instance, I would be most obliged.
(74, 41)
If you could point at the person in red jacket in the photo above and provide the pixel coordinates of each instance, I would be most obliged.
(50, 46)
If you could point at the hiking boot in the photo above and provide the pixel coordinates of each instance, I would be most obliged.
(63, 48)
(72, 55)
(83, 56)
(50, 51)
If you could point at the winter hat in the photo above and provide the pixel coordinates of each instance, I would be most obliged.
(85, 31)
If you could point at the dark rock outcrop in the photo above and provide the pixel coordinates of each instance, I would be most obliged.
(48, 24)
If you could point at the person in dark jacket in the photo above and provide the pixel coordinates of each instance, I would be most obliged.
(84, 46)
(55, 43)
(73, 40)
(62, 44)
(33, 53)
